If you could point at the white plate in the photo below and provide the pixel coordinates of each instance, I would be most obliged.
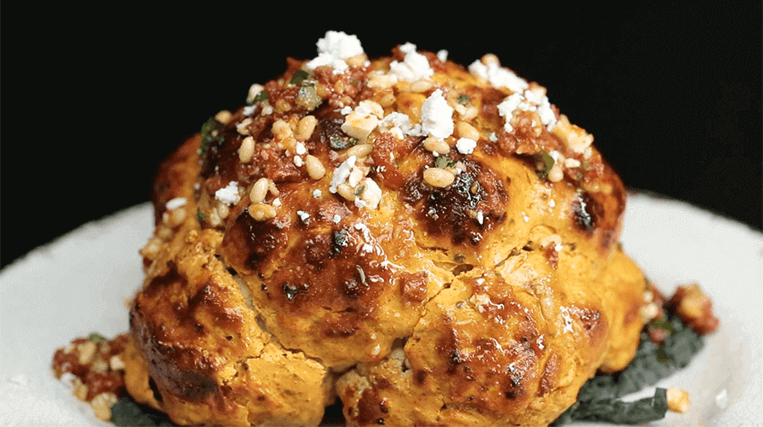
(79, 284)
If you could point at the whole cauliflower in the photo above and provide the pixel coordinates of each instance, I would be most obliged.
(431, 244)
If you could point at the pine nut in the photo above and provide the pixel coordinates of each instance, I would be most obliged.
(246, 151)
(305, 127)
(359, 151)
(422, 85)
(314, 167)
(261, 211)
(259, 190)
(436, 145)
(437, 177)
(465, 130)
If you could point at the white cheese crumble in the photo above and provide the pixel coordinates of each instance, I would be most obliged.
(414, 67)
(336, 219)
(176, 203)
(228, 194)
(442, 55)
(298, 161)
(342, 172)
(399, 124)
(466, 145)
(276, 202)
(437, 116)
(527, 101)
(300, 149)
(498, 76)
(317, 194)
(333, 49)
(303, 215)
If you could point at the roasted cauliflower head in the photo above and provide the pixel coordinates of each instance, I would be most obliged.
(433, 244)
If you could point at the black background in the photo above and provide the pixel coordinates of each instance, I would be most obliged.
(94, 98)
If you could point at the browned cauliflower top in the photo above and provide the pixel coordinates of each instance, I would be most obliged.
(431, 243)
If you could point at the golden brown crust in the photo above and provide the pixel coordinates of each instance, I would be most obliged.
(448, 239)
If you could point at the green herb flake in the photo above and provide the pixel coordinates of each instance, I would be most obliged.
(464, 99)
(359, 191)
(307, 97)
(443, 162)
(298, 76)
(341, 143)
(543, 163)
(200, 215)
(211, 135)
(97, 338)
(261, 96)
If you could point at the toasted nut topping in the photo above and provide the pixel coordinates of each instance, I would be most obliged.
(305, 127)
(678, 400)
(314, 167)
(422, 85)
(436, 145)
(223, 116)
(243, 126)
(465, 130)
(246, 151)
(437, 177)
(261, 211)
(259, 190)
(359, 151)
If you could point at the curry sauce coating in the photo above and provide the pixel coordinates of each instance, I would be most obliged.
(451, 238)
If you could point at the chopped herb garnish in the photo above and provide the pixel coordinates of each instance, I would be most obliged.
(127, 413)
(298, 76)
(97, 338)
(261, 96)
(443, 162)
(341, 143)
(464, 99)
(211, 135)
(307, 97)
(543, 163)
(200, 215)
(359, 191)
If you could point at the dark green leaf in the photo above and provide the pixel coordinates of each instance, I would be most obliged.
(211, 135)
(543, 163)
(261, 96)
(307, 98)
(443, 162)
(464, 99)
(97, 338)
(298, 76)
(200, 215)
(127, 413)
(341, 143)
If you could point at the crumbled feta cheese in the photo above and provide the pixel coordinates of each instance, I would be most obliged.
(176, 203)
(345, 110)
(303, 215)
(498, 76)
(400, 125)
(333, 49)
(298, 161)
(336, 219)
(317, 193)
(525, 218)
(437, 115)
(342, 172)
(249, 110)
(228, 194)
(300, 149)
(466, 145)
(359, 125)
(527, 101)
(371, 195)
(442, 55)
(414, 67)
(276, 202)
(480, 217)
